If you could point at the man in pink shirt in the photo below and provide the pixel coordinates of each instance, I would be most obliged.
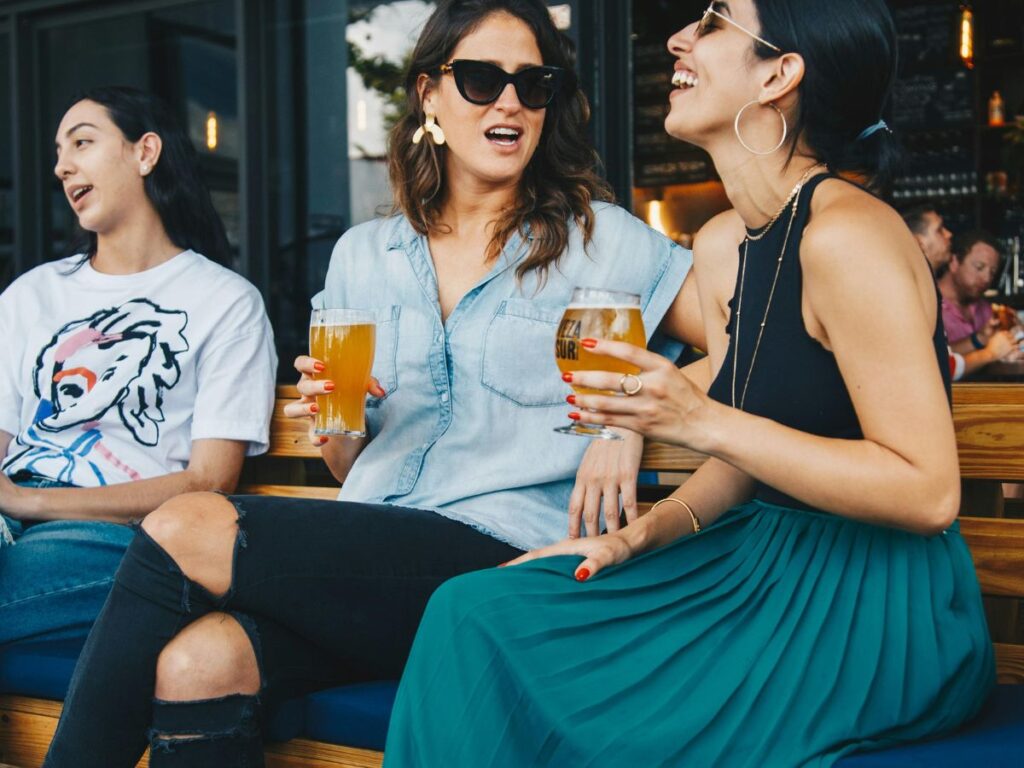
(966, 314)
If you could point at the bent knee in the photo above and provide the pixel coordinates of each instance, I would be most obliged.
(210, 658)
(183, 516)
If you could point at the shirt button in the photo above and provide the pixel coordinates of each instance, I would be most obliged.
(444, 397)
(437, 339)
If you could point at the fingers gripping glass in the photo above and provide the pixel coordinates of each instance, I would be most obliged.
(597, 314)
(481, 82)
(711, 14)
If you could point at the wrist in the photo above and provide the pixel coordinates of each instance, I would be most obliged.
(716, 424)
(976, 342)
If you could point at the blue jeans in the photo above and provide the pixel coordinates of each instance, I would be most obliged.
(56, 576)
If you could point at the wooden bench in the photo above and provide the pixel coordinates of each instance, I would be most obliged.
(990, 437)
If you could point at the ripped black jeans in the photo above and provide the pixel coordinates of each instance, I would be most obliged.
(328, 593)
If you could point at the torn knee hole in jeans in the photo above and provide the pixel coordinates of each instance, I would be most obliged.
(167, 742)
(182, 723)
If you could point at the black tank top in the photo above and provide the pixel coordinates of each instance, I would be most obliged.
(795, 381)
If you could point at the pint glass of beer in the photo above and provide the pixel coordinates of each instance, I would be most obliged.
(343, 340)
(594, 313)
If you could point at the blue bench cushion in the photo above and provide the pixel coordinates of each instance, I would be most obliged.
(354, 715)
(995, 739)
(357, 715)
(43, 670)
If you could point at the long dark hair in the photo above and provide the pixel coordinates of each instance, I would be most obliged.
(559, 183)
(174, 186)
(850, 56)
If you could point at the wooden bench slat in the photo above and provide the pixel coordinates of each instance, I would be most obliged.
(291, 491)
(997, 548)
(1009, 663)
(986, 394)
(27, 726)
(990, 441)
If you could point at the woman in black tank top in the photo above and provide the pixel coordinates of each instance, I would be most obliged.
(785, 606)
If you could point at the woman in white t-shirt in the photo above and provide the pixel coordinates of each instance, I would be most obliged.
(131, 372)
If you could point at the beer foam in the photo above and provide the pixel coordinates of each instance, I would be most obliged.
(604, 306)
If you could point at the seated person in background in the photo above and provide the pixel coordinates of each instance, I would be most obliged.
(966, 314)
(131, 372)
(929, 229)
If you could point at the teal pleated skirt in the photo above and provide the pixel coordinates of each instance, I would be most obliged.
(776, 637)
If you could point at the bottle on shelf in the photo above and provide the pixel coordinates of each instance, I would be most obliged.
(996, 110)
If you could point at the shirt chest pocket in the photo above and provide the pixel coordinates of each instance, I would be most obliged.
(385, 354)
(519, 354)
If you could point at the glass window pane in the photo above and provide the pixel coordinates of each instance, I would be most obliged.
(6, 168)
(381, 36)
(185, 54)
(337, 72)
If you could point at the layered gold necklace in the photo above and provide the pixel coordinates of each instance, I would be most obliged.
(791, 202)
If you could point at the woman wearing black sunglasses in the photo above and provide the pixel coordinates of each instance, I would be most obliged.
(224, 605)
(806, 594)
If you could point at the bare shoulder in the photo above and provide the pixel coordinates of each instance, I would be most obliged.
(722, 232)
(851, 229)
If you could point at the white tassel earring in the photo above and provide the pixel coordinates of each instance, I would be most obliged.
(429, 126)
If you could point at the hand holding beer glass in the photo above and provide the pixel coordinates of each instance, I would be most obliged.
(342, 341)
(594, 313)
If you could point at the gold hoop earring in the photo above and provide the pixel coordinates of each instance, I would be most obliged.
(429, 126)
(736, 128)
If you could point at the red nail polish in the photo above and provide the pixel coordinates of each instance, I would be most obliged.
(589, 343)
(582, 574)
(571, 399)
(328, 386)
(575, 416)
(323, 440)
(314, 408)
(567, 378)
(319, 367)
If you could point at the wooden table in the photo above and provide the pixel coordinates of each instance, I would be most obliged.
(1002, 370)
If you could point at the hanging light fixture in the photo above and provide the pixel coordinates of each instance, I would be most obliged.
(966, 36)
(211, 131)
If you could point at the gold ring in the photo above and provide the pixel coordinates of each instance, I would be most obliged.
(634, 390)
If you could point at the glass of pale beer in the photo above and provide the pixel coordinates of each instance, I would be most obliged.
(343, 340)
(594, 313)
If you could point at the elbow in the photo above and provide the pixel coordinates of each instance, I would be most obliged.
(941, 507)
(219, 482)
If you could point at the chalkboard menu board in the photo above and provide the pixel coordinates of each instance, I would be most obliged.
(934, 89)
(934, 100)
(927, 34)
(659, 159)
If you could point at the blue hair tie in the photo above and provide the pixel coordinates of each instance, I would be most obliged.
(881, 125)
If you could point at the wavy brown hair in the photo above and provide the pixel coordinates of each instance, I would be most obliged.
(560, 181)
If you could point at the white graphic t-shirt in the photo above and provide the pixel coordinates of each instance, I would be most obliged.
(109, 378)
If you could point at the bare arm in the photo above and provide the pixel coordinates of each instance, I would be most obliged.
(712, 489)
(609, 469)
(904, 472)
(683, 319)
(214, 466)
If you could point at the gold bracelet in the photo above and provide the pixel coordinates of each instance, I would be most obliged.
(687, 507)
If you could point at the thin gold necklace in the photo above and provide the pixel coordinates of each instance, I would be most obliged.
(795, 191)
(793, 199)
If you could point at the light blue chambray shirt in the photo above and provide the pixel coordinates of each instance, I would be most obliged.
(465, 429)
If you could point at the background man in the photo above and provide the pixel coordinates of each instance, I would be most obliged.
(966, 314)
